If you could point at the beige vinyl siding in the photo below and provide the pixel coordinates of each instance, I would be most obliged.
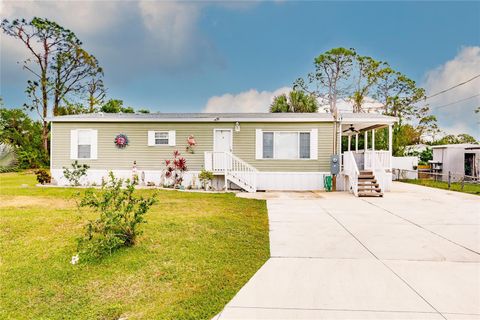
(152, 158)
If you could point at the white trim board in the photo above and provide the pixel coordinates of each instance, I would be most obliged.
(300, 181)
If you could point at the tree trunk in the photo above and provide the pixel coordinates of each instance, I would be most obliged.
(91, 101)
(45, 136)
(44, 115)
(44, 84)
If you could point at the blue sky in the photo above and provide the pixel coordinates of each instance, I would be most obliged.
(234, 56)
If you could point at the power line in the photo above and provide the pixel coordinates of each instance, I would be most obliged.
(449, 104)
(455, 86)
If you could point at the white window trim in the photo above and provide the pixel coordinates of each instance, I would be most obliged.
(74, 144)
(312, 132)
(171, 138)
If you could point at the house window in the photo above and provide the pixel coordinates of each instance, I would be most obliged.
(286, 145)
(268, 145)
(304, 145)
(84, 144)
(161, 138)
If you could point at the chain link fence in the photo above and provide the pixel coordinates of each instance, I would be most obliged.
(449, 177)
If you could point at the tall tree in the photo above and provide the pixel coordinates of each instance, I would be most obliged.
(57, 63)
(116, 106)
(297, 101)
(399, 95)
(428, 127)
(96, 92)
(452, 139)
(328, 81)
(365, 76)
(74, 69)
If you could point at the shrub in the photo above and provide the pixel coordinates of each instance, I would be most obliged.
(119, 211)
(205, 178)
(76, 173)
(43, 176)
(174, 169)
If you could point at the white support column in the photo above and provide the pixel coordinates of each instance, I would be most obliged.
(390, 138)
(349, 142)
(365, 143)
(390, 143)
(373, 139)
(356, 142)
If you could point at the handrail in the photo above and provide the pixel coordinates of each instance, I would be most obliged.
(240, 160)
(383, 156)
(379, 171)
(232, 167)
(351, 170)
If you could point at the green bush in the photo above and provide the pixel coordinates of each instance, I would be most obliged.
(43, 176)
(119, 211)
(24, 137)
(76, 173)
(205, 178)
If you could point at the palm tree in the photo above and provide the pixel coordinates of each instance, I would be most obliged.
(297, 101)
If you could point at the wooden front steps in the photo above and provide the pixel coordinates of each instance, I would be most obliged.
(368, 185)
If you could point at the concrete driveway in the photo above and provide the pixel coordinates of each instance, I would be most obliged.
(414, 254)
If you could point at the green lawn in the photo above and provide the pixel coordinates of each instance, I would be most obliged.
(196, 252)
(455, 186)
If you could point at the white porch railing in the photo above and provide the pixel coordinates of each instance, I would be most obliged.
(351, 170)
(234, 169)
(383, 157)
(379, 169)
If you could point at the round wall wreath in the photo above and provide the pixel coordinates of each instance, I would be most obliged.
(121, 141)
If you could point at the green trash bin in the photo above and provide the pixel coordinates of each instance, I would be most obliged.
(327, 183)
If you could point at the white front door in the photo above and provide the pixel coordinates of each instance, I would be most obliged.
(222, 142)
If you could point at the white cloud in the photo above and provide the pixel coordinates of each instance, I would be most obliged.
(460, 116)
(79, 16)
(247, 101)
(156, 36)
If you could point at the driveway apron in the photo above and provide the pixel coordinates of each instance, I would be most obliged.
(413, 254)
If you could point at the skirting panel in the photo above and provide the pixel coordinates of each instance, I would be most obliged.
(95, 176)
(298, 181)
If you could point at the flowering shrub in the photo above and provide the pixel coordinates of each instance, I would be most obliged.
(119, 211)
(174, 169)
(76, 173)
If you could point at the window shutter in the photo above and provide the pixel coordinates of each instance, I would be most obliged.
(151, 138)
(258, 144)
(94, 144)
(171, 138)
(314, 144)
(73, 144)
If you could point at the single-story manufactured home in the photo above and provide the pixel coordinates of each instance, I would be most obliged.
(250, 151)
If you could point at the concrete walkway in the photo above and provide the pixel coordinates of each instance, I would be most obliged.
(414, 254)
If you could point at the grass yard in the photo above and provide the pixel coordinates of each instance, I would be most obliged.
(455, 186)
(196, 252)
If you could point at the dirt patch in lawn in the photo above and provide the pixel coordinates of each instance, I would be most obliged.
(26, 202)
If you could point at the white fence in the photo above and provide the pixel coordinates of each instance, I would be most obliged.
(404, 168)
